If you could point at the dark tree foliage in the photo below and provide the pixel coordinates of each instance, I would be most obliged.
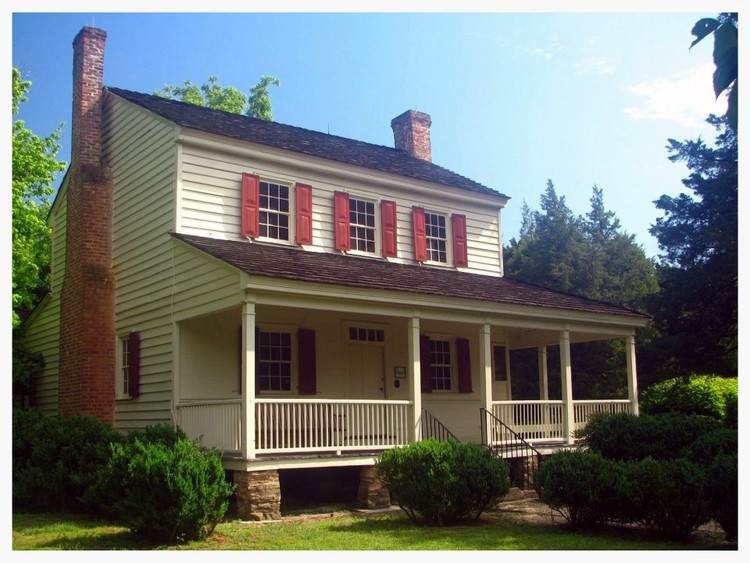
(590, 256)
(696, 312)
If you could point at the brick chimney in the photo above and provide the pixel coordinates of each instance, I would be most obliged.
(87, 334)
(411, 133)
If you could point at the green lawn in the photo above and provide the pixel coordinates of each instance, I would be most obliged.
(390, 531)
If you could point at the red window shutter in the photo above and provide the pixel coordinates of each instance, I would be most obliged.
(420, 235)
(304, 214)
(134, 364)
(425, 363)
(257, 361)
(388, 221)
(307, 363)
(463, 359)
(250, 206)
(460, 251)
(341, 220)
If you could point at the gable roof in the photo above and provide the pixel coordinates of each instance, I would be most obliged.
(304, 141)
(291, 263)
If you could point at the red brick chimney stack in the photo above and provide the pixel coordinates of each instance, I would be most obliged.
(87, 334)
(411, 133)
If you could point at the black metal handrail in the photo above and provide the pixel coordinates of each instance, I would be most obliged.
(433, 428)
(523, 458)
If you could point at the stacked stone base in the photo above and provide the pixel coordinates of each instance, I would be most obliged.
(258, 493)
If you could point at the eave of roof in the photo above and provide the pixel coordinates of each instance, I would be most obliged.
(304, 141)
(268, 260)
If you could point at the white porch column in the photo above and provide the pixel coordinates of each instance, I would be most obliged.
(248, 380)
(632, 374)
(566, 375)
(485, 375)
(543, 373)
(415, 380)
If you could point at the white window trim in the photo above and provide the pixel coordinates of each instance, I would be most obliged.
(292, 214)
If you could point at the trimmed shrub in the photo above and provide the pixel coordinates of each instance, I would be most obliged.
(625, 436)
(582, 486)
(167, 493)
(669, 497)
(443, 482)
(706, 447)
(705, 395)
(721, 492)
(55, 460)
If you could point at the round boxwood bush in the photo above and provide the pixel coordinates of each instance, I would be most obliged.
(706, 395)
(582, 486)
(167, 492)
(721, 492)
(443, 482)
(56, 460)
(669, 498)
(625, 436)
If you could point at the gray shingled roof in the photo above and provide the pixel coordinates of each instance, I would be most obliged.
(292, 263)
(305, 141)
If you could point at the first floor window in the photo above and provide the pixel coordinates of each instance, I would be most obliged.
(125, 368)
(440, 363)
(274, 351)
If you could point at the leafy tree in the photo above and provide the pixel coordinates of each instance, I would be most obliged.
(225, 98)
(588, 256)
(724, 29)
(697, 309)
(35, 165)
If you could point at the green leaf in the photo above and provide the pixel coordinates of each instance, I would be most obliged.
(702, 28)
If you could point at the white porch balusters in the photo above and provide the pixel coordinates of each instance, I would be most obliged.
(415, 381)
(632, 374)
(248, 380)
(566, 374)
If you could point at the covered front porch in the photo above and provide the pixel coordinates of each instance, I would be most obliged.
(288, 375)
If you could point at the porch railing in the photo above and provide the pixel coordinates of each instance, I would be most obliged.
(543, 420)
(299, 425)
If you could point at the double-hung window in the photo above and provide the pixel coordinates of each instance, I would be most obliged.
(436, 237)
(274, 211)
(362, 225)
(274, 367)
(440, 363)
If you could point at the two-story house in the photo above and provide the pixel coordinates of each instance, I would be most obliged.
(293, 298)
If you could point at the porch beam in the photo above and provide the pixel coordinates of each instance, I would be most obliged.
(415, 380)
(632, 374)
(248, 380)
(566, 375)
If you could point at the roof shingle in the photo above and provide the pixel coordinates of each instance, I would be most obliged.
(291, 263)
(305, 141)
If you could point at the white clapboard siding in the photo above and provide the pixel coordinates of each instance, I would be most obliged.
(43, 337)
(141, 154)
(58, 223)
(209, 201)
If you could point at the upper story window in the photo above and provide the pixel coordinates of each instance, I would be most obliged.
(362, 225)
(274, 211)
(436, 237)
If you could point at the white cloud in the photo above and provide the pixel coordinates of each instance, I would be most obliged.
(594, 66)
(685, 98)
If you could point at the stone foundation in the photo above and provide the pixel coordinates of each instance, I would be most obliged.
(371, 493)
(258, 495)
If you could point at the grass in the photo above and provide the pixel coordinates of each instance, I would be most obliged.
(389, 531)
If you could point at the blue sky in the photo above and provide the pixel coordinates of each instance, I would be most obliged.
(582, 98)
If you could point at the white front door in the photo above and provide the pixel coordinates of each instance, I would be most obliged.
(366, 372)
